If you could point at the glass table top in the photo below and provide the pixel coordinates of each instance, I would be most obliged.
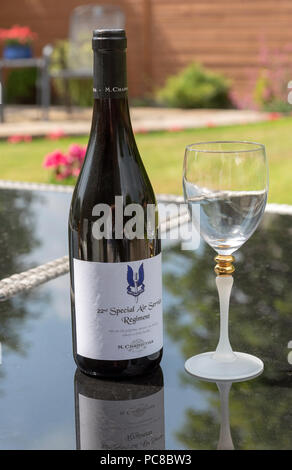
(46, 404)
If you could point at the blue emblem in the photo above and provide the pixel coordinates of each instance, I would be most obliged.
(135, 281)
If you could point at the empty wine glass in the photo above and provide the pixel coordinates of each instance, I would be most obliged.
(229, 182)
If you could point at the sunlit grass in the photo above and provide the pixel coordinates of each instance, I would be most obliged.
(162, 153)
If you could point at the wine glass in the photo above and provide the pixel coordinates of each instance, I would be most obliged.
(229, 182)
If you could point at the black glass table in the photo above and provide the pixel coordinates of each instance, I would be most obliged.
(46, 404)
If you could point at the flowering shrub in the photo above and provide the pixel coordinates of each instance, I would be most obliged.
(270, 91)
(15, 139)
(266, 84)
(65, 166)
(17, 35)
(56, 135)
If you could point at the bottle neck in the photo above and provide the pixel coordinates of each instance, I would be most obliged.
(110, 91)
(110, 74)
(111, 115)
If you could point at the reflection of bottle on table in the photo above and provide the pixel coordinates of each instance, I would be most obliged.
(126, 415)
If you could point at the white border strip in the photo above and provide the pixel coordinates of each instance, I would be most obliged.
(273, 208)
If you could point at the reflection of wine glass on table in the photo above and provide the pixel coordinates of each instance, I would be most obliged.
(225, 441)
(228, 182)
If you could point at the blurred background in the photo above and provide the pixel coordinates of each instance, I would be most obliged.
(196, 71)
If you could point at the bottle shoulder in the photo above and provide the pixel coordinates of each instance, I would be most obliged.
(106, 175)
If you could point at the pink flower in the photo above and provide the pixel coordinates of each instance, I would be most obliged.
(14, 139)
(274, 116)
(77, 152)
(75, 171)
(60, 176)
(55, 159)
(175, 129)
(210, 124)
(55, 135)
(141, 130)
(63, 173)
(19, 138)
(66, 165)
(18, 34)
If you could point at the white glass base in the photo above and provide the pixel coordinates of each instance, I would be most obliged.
(204, 366)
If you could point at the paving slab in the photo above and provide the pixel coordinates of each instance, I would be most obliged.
(23, 120)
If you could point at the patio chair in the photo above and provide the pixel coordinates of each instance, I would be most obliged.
(84, 19)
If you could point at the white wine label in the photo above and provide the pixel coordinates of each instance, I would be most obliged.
(129, 424)
(118, 308)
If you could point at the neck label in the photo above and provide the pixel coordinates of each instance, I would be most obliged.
(110, 92)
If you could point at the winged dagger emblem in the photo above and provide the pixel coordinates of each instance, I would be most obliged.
(135, 281)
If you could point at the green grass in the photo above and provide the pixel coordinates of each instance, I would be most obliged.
(162, 153)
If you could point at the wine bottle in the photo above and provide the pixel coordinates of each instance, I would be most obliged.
(112, 415)
(114, 244)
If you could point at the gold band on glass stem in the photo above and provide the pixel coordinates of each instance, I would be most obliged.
(224, 265)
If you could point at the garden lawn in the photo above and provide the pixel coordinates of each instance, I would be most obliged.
(162, 153)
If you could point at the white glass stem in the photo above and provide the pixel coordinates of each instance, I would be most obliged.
(225, 439)
(224, 351)
(224, 364)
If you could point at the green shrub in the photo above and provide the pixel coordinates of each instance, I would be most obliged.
(74, 91)
(279, 106)
(195, 87)
(20, 86)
